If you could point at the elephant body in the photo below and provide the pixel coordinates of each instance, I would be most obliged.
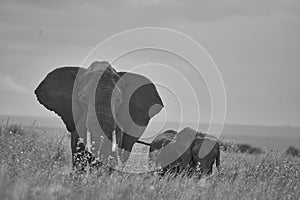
(186, 150)
(105, 111)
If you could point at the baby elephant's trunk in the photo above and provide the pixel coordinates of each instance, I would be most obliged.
(218, 158)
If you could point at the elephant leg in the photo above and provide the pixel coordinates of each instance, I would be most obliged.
(77, 149)
(74, 141)
(191, 168)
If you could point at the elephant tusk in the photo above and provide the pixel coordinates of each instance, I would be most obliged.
(88, 141)
(114, 141)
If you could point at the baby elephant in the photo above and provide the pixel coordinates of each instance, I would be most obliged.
(186, 150)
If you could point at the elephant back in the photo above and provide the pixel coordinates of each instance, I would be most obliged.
(162, 140)
(201, 135)
(158, 144)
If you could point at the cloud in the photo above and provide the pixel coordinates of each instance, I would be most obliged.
(8, 84)
(147, 2)
(162, 9)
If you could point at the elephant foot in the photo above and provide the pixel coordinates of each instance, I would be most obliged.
(84, 162)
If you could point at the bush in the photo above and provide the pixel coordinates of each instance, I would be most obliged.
(246, 148)
(293, 151)
(12, 129)
(240, 148)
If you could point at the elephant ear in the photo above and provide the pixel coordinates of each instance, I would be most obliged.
(141, 102)
(184, 140)
(184, 143)
(55, 93)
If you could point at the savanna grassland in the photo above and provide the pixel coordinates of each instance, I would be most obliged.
(34, 165)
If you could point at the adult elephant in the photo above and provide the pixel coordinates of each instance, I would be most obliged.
(187, 150)
(103, 107)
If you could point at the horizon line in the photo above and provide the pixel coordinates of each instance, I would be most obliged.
(171, 121)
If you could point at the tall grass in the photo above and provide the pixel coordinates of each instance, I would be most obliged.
(36, 166)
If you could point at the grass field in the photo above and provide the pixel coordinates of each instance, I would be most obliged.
(34, 165)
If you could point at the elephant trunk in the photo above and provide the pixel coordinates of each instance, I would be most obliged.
(101, 121)
(100, 134)
(218, 157)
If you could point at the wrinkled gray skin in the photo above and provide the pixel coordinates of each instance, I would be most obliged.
(187, 150)
(100, 100)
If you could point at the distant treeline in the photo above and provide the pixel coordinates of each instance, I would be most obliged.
(17, 129)
(240, 148)
(293, 151)
(248, 149)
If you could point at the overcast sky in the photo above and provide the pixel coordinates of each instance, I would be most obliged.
(254, 43)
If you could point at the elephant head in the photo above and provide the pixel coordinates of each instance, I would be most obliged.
(198, 150)
(205, 152)
(185, 150)
(105, 108)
